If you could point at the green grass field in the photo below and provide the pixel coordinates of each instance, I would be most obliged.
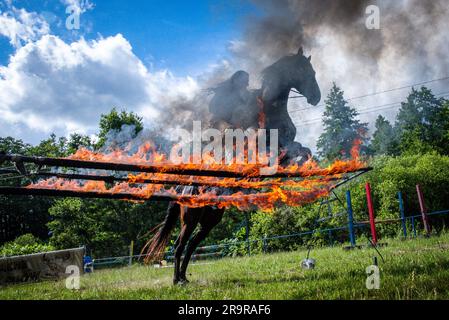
(413, 269)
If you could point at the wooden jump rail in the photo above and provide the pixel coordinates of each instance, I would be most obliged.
(174, 182)
(12, 191)
(169, 169)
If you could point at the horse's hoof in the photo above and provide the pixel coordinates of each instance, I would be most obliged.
(183, 282)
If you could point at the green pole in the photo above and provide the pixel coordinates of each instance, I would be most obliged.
(247, 233)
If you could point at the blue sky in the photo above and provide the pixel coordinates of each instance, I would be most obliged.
(56, 80)
(182, 36)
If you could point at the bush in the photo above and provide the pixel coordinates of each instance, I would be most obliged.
(390, 175)
(23, 245)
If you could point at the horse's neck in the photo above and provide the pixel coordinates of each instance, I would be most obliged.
(282, 100)
(283, 91)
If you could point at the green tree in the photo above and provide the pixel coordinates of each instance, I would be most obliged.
(384, 139)
(13, 146)
(77, 141)
(107, 227)
(341, 128)
(422, 123)
(21, 215)
(114, 120)
(51, 147)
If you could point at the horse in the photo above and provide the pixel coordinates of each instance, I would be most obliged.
(290, 72)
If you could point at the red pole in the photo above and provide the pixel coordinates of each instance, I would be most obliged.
(423, 209)
(372, 218)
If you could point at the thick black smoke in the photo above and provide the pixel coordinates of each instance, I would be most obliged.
(412, 45)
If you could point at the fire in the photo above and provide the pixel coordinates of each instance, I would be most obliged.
(252, 193)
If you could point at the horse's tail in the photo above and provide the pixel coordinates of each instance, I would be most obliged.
(155, 247)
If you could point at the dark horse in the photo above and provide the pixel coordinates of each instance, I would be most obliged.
(290, 72)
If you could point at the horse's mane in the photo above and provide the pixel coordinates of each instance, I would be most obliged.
(281, 67)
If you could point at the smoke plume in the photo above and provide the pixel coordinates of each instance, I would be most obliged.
(411, 46)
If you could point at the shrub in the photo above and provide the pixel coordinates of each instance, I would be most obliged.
(23, 245)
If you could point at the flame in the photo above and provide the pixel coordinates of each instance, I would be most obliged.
(265, 194)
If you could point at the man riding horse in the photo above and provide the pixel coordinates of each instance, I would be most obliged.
(233, 106)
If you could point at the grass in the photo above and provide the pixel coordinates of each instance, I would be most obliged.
(413, 269)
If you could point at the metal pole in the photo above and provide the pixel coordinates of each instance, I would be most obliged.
(423, 209)
(371, 213)
(402, 211)
(131, 250)
(350, 219)
(413, 227)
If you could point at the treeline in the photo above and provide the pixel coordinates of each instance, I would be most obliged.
(413, 149)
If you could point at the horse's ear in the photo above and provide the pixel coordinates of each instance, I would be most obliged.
(300, 52)
(309, 58)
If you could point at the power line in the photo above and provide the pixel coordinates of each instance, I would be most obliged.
(376, 93)
(374, 109)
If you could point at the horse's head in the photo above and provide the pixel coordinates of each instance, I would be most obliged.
(302, 78)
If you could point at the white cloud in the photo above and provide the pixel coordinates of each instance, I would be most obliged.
(21, 27)
(53, 86)
(81, 5)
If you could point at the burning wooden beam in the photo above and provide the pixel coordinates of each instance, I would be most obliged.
(83, 194)
(244, 184)
(165, 169)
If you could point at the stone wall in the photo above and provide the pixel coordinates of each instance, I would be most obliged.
(41, 266)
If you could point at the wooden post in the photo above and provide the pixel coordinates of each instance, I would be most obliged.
(372, 218)
(422, 205)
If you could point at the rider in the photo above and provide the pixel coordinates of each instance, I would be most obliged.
(229, 95)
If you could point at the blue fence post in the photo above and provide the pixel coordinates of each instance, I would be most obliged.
(350, 219)
(401, 208)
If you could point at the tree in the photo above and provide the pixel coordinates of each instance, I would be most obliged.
(51, 147)
(341, 128)
(115, 121)
(107, 227)
(77, 141)
(384, 139)
(21, 215)
(422, 123)
(13, 146)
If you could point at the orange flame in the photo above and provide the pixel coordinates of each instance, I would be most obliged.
(314, 184)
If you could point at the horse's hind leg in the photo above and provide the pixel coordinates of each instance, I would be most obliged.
(190, 219)
(209, 220)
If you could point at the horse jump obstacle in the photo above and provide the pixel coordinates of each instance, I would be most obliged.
(372, 218)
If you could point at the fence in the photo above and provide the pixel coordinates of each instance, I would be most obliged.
(224, 249)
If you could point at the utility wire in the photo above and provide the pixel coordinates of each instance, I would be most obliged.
(375, 93)
(374, 109)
